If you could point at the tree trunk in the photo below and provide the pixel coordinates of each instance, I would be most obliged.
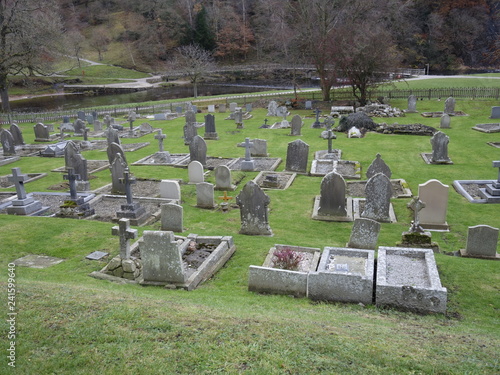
(195, 89)
(4, 93)
(325, 88)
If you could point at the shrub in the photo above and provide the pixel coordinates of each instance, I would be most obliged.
(287, 259)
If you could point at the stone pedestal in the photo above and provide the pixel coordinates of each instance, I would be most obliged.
(25, 206)
(418, 240)
(134, 212)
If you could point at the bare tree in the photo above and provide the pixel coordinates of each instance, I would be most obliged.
(194, 62)
(29, 36)
(99, 41)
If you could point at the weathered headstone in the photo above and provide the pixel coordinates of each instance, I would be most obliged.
(81, 115)
(378, 165)
(145, 128)
(118, 168)
(205, 195)
(435, 196)
(73, 159)
(308, 104)
(378, 191)
(232, 106)
(172, 217)
(126, 234)
(412, 104)
(248, 107)
(114, 149)
(482, 241)
(112, 136)
(198, 150)
(439, 143)
(41, 133)
(211, 108)
(79, 126)
(131, 210)
(449, 106)
(297, 156)
(253, 204)
(445, 121)
(222, 108)
(195, 172)
(72, 177)
(90, 119)
(272, 108)
(8, 144)
(170, 189)
(495, 112)
(223, 179)
(210, 131)
(282, 111)
(296, 125)
(190, 131)
(364, 234)
(238, 119)
(17, 135)
(316, 124)
(333, 199)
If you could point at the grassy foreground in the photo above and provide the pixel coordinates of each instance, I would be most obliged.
(68, 322)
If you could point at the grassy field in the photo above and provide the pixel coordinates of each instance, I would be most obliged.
(68, 322)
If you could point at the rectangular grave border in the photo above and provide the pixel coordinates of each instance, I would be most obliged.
(36, 176)
(458, 185)
(274, 165)
(261, 175)
(349, 207)
(4, 160)
(494, 144)
(483, 128)
(427, 157)
(357, 202)
(355, 176)
(402, 183)
(130, 147)
(98, 169)
(179, 159)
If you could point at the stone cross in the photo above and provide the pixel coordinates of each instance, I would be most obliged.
(416, 205)
(128, 181)
(126, 234)
(248, 146)
(72, 177)
(86, 134)
(18, 180)
(330, 135)
(496, 164)
(160, 137)
(316, 123)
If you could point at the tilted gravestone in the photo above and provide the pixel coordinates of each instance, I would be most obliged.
(378, 191)
(172, 217)
(439, 142)
(114, 149)
(297, 156)
(378, 165)
(17, 135)
(198, 150)
(253, 204)
(332, 200)
(364, 234)
(8, 144)
(482, 241)
(118, 168)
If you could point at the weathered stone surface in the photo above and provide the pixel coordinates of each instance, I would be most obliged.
(364, 234)
(297, 156)
(198, 150)
(378, 165)
(378, 191)
(253, 204)
(332, 200)
(482, 241)
(172, 217)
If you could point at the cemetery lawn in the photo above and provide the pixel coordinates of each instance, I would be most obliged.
(68, 322)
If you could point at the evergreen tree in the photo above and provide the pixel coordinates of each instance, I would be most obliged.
(203, 35)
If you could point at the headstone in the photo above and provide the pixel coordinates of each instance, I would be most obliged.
(118, 168)
(332, 200)
(364, 234)
(195, 172)
(449, 106)
(232, 106)
(308, 104)
(81, 115)
(90, 119)
(492, 190)
(65, 119)
(329, 135)
(97, 126)
(495, 112)
(160, 116)
(248, 107)
(253, 204)
(23, 205)
(198, 150)
(112, 136)
(79, 126)
(282, 111)
(126, 234)
(8, 144)
(170, 189)
(41, 133)
(132, 210)
(114, 149)
(439, 142)
(210, 131)
(297, 156)
(194, 108)
(108, 121)
(378, 165)
(316, 124)
(190, 117)
(72, 177)
(354, 132)
(248, 164)
(205, 195)
(95, 115)
(211, 108)
(223, 179)
(222, 108)
(178, 109)
(259, 148)
(17, 135)
(238, 119)
(435, 196)
(161, 258)
(73, 159)
(66, 127)
(272, 108)
(296, 125)
(172, 217)
(160, 137)
(482, 241)
(412, 104)
(378, 191)
(145, 128)
(416, 205)
(190, 131)
(445, 121)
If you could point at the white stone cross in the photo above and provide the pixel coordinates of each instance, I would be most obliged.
(160, 137)
(248, 145)
(18, 180)
(126, 234)
(416, 205)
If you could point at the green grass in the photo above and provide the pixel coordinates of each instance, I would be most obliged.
(436, 83)
(71, 323)
(106, 71)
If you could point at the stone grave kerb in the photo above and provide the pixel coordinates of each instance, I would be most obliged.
(160, 137)
(18, 179)
(126, 234)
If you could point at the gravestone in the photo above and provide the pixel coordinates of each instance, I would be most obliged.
(223, 179)
(132, 116)
(248, 164)
(211, 108)
(492, 191)
(195, 172)
(449, 106)
(253, 204)
(160, 116)
(297, 156)
(364, 234)
(73, 159)
(435, 196)
(54, 150)
(248, 107)
(482, 242)
(112, 136)
(412, 104)
(81, 115)
(495, 112)
(160, 137)
(145, 128)
(79, 126)
(131, 210)
(41, 133)
(210, 131)
(190, 131)
(161, 258)
(126, 234)
(445, 121)
(222, 108)
(90, 119)
(114, 149)
(205, 195)
(178, 110)
(238, 119)
(272, 108)
(296, 125)
(308, 104)
(282, 111)
(66, 127)
(316, 124)
(78, 206)
(97, 126)
(17, 135)
(329, 135)
(416, 236)
(72, 177)
(332, 200)
(190, 117)
(378, 165)
(118, 168)
(170, 189)
(378, 191)
(8, 144)
(108, 121)
(198, 150)
(232, 106)
(23, 205)
(172, 217)
(439, 142)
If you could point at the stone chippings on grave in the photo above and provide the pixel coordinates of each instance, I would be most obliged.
(210, 130)
(492, 191)
(161, 259)
(332, 200)
(172, 217)
(297, 156)
(17, 134)
(223, 180)
(114, 149)
(205, 195)
(445, 121)
(198, 150)
(482, 241)
(449, 106)
(170, 189)
(195, 172)
(439, 144)
(378, 165)
(8, 144)
(378, 191)
(435, 196)
(296, 125)
(408, 279)
(23, 205)
(343, 275)
(253, 204)
(364, 234)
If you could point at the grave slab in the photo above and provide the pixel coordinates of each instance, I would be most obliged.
(283, 180)
(37, 261)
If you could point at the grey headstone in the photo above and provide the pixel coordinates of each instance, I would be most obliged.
(222, 108)
(126, 234)
(112, 136)
(195, 172)
(190, 131)
(198, 150)
(495, 112)
(297, 156)
(378, 191)
(114, 149)
(378, 165)
(272, 109)
(223, 179)
(205, 195)
(211, 108)
(145, 128)
(97, 126)
(73, 159)
(296, 125)
(190, 117)
(248, 107)
(170, 189)
(41, 132)
(67, 127)
(90, 119)
(8, 144)
(253, 204)
(232, 106)
(118, 167)
(439, 142)
(332, 200)
(172, 217)
(65, 119)
(364, 234)
(79, 126)
(282, 111)
(308, 104)
(81, 115)
(449, 105)
(160, 116)
(412, 104)
(435, 196)
(445, 121)
(482, 241)
(17, 135)
(210, 124)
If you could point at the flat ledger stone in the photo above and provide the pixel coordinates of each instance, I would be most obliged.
(37, 261)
